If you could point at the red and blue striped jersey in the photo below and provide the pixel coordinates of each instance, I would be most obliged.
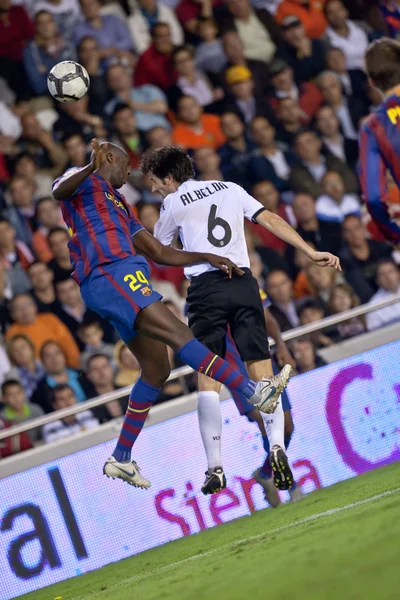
(101, 224)
(379, 153)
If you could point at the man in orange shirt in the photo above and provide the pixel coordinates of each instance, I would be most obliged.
(41, 328)
(195, 129)
(310, 13)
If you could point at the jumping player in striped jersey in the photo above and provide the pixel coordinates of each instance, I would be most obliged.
(380, 135)
(209, 216)
(113, 278)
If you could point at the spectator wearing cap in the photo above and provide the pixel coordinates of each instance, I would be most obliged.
(354, 82)
(147, 101)
(256, 28)
(388, 281)
(155, 65)
(145, 14)
(345, 34)
(334, 204)
(283, 86)
(47, 48)
(305, 55)
(309, 12)
(110, 32)
(237, 151)
(269, 161)
(234, 51)
(328, 126)
(243, 97)
(349, 110)
(194, 129)
(306, 175)
(66, 13)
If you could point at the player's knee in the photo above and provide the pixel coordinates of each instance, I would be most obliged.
(156, 376)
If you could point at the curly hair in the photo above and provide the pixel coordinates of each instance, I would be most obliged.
(168, 161)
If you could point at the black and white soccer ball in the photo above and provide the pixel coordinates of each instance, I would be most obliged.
(68, 81)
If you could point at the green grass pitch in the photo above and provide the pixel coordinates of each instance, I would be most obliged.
(339, 543)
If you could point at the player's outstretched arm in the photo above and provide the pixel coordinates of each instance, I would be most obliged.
(165, 255)
(285, 232)
(67, 186)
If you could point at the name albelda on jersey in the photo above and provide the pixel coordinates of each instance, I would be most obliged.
(209, 190)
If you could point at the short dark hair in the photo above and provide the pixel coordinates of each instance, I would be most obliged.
(169, 160)
(57, 230)
(48, 343)
(327, 3)
(90, 323)
(386, 260)
(382, 61)
(309, 303)
(119, 108)
(8, 383)
(94, 356)
(60, 387)
(183, 48)
(154, 28)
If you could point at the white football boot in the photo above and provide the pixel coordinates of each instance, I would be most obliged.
(268, 390)
(127, 471)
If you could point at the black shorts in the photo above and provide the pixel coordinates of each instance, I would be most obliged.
(216, 302)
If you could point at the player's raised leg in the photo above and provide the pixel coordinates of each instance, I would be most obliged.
(153, 359)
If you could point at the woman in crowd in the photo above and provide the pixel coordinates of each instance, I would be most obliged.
(27, 369)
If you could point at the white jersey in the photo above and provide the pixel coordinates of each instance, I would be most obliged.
(208, 217)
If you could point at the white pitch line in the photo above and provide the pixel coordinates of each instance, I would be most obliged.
(316, 516)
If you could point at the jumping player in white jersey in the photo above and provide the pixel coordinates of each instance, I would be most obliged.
(209, 216)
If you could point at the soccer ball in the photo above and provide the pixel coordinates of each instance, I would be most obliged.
(68, 81)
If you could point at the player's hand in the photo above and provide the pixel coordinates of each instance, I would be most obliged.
(326, 259)
(224, 264)
(283, 356)
(98, 155)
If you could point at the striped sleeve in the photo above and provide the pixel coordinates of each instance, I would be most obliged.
(373, 184)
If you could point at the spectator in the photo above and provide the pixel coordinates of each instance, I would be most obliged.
(333, 141)
(158, 136)
(325, 236)
(21, 212)
(66, 14)
(306, 176)
(269, 161)
(76, 150)
(17, 407)
(360, 256)
(349, 111)
(28, 370)
(305, 355)
(305, 55)
(101, 376)
(289, 124)
(128, 369)
(306, 93)
(341, 300)
(64, 397)
(60, 264)
(192, 82)
(146, 13)
(354, 82)
(75, 117)
(49, 156)
(345, 34)
(56, 373)
(195, 129)
(6, 294)
(16, 255)
(242, 91)
(210, 56)
(237, 151)
(25, 167)
(148, 102)
(40, 328)
(16, 29)
(110, 32)
(91, 334)
(42, 279)
(190, 13)
(126, 134)
(14, 443)
(48, 217)
(91, 57)
(267, 194)
(256, 28)
(321, 282)
(311, 311)
(334, 204)
(309, 13)
(388, 282)
(47, 48)
(208, 163)
(235, 52)
(279, 288)
(155, 65)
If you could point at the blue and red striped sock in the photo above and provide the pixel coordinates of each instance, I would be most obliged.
(141, 399)
(200, 359)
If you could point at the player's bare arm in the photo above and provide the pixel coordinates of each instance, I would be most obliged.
(285, 232)
(150, 247)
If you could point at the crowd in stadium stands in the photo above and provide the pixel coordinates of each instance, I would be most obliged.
(269, 94)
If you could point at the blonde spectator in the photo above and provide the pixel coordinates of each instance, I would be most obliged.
(27, 369)
(343, 298)
(128, 369)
